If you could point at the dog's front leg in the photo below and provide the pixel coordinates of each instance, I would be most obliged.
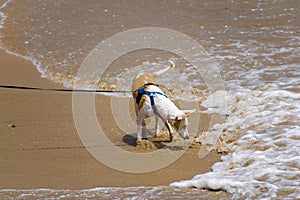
(169, 127)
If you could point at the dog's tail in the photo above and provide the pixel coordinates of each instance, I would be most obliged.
(171, 66)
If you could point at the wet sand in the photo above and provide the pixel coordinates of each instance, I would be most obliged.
(40, 147)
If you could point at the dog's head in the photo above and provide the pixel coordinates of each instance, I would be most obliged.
(181, 123)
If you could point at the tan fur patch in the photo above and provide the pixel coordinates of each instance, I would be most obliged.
(142, 79)
(138, 82)
(143, 99)
(141, 104)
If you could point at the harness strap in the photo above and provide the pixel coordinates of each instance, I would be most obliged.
(151, 95)
(142, 91)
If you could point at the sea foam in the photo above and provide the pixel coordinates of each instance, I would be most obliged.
(265, 161)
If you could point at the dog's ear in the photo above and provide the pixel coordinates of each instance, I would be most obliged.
(181, 117)
(185, 114)
(177, 118)
(188, 112)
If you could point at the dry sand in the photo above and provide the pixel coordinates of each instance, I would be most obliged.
(40, 147)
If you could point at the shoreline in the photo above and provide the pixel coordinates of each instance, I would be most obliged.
(40, 147)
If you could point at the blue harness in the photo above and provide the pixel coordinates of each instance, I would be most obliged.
(142, 91)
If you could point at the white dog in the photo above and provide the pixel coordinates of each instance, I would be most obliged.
(150, 101)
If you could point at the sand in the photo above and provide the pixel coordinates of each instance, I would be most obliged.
(40, 147)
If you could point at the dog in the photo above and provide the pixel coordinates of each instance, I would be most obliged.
(150, 100)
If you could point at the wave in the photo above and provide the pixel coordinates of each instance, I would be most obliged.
(264, 161)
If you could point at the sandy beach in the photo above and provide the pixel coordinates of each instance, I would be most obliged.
(244, 70)
(40, 147)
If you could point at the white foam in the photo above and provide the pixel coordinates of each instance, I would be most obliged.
(2, 15)
(264, 161)
(141, 192)
(35, 62)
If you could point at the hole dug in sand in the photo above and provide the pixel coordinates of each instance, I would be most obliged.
(151, 142)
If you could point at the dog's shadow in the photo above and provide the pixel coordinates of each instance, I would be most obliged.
(130, 139)
(152, 143)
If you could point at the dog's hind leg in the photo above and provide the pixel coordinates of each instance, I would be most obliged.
(140, 125)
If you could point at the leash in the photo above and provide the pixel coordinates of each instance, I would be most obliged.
(88, 91)
(63, 90)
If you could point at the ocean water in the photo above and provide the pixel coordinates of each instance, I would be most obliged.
(254, 44)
